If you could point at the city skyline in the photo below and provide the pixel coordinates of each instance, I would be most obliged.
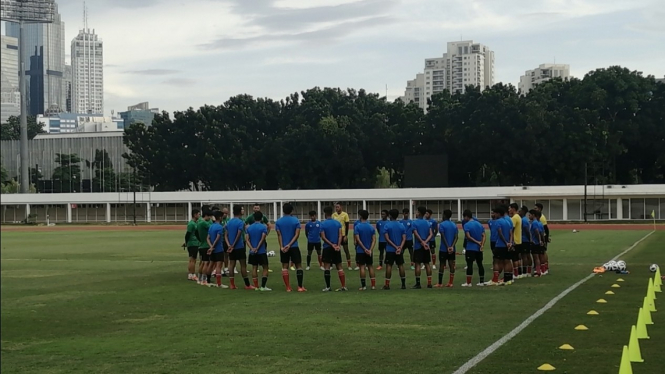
(204, 53)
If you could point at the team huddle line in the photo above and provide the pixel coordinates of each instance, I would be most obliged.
(518, 240)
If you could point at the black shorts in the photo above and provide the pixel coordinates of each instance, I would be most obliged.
(292, 255)
(193, 252)
(331, 256)
(203, 252)
(217, 257)
(432, 246)
(256, 259)
(493, 248)
(382, 246)
(393, 258)
(422, 256)
(473, 256)
(445, 256)
(408, 244)
(515, 254)
(238, 254)
(502, 253)
(313, 247)
(225, 246)
(364, 259)
(537, 249)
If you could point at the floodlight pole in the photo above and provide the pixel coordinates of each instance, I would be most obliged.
(25, 176)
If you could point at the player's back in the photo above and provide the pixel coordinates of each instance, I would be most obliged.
(395, 231)
(287, 227)
(476, 231)
(255, 232)
(448, 230)
(365, 233)
(330, 228)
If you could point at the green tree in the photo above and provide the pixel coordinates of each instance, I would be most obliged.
(67, 175)
(104, 179)
(11, 130)
(4, 176)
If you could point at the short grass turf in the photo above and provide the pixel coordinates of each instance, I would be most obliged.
(114, 301)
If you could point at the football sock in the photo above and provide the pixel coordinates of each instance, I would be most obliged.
(299, 275)
(429, 280)
(285, 277)
(529, 270)
(468, 279)
(264, 281)
(342, 277)
(404, 281)
(433, 259)
(363, 282)
(219, 279)
(348, 262)
(441, 277)
(495, 277)
(372, 282)
(246, 279)
(309, 259)
(417, 281)
(452, 277)
(326, 276)
(388, 282)
(233, 282)
(320, 263)
(256, 282)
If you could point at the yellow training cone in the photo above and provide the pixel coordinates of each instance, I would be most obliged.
(625, 367)
(634, 347)
(581, 328)
(620, 280)
(656, 287)
(616, 286)
(650, 292)
(601, 301)
(567, 347)
(649, 305)
(546, 367)
(593, 313)
(641, 326)
(609, 293)
(647, 316)
(659, 280)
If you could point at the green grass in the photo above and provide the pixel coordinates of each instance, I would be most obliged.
(114, 301)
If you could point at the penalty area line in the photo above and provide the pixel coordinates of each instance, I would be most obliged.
(499, 343)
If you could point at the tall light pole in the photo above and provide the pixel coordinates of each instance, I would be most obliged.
(22, 12)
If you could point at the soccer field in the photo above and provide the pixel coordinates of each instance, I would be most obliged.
(109, 301)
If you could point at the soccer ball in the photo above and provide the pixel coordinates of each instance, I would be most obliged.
(621, 265)
(607, 266)
(271, 254)
(574, 231)
(614, 266)
(653, 268)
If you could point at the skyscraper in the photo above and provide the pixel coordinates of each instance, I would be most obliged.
(465, 63)
(10, 99)
(542, 73)
(46, 42)
(87, 73)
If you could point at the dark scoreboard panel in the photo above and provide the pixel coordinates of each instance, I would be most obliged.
(426, 171)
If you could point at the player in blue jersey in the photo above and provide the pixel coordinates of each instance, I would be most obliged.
(435, 229)
(365, 239)
(234, 237)
(380, 231)
(395, 235)
(526, 242)
(475, 235)
(288, 232)
(216, 252)
(537, 240)
(331, 235)
(422, 233)
(408, 225)
(256, 242)
(313, 233)
(504, 245)
(447, 252)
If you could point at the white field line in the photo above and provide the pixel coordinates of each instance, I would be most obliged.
(497, 344)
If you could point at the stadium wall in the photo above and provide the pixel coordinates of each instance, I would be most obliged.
(561, 203)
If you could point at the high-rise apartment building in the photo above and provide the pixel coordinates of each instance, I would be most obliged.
(543, 72)
(45, 47)
(87, 73)
(415, 90)
(465, 63)
(10, 97)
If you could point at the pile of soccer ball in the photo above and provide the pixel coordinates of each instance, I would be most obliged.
(271, 254)
(653, 268)
(615, 266)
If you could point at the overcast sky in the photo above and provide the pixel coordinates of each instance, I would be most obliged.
(181, 53)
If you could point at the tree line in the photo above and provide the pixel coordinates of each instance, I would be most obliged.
(610, 124)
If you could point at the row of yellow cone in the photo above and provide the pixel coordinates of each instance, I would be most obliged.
(631, 352)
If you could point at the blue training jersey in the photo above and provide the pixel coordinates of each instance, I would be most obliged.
(235, 229)
(313, 231)
(330, 228)
(215, 231)
(408, 225)
(255, 232)
(422, 227)
(476, 231)
(288, 226)
(380, 229)
(395, 231)
(449, 231)
(365, 233)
